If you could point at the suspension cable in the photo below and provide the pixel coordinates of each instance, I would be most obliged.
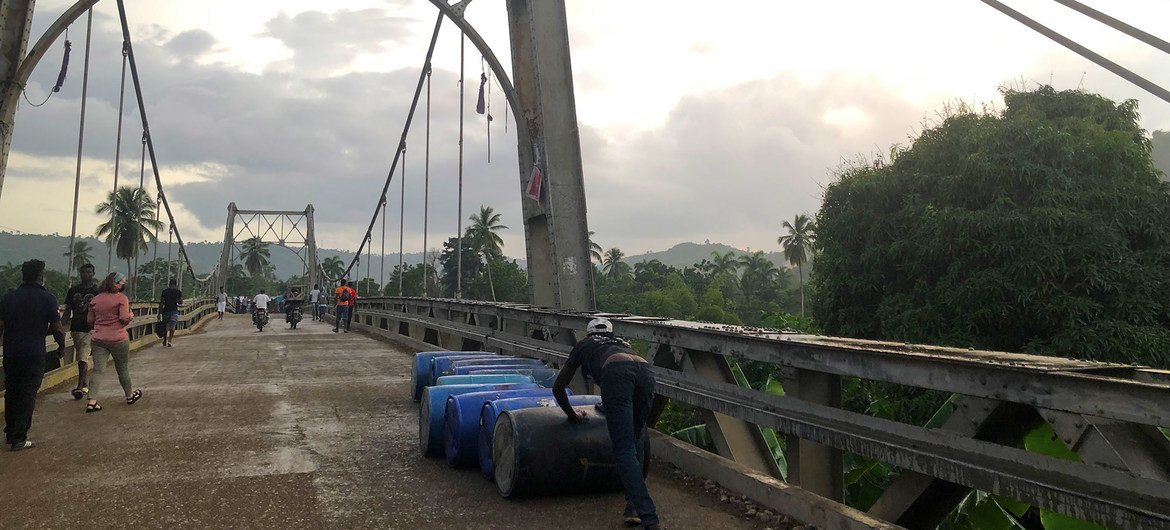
(427, 188)
(129, 44)
(118, 145)
(401, 222)
(382, 273)
(80, 146)
(405, 129)
(1098, 59)
(459, 207)
(369, 261)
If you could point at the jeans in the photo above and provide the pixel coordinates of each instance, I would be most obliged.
(102, 351)
(343, 315)
(627, 391)
(22, 380)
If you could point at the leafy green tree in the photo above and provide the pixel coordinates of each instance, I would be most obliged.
(131, 225)
(254, 251)
(760, 285)
(82, 254)
(1038, 229)
(449, 266)
(798, 245)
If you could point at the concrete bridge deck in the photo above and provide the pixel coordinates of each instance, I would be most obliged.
(300, 429)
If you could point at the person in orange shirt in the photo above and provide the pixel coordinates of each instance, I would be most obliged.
(346, 296)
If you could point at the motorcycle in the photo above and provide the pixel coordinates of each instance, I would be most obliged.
(260, 318)
(292, 312)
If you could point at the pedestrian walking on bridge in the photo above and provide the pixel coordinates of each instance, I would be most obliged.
(27, 315)
(110, 316)
(168, 307)
(627, 392)
(76, 309)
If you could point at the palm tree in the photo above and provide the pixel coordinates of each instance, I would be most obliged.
(594, 256)
(725, 263)
(255, 255)
(594, 249)
(333, 267)
(614, 267)
(758, 272)
(483, 237)
(82, 254)
(132, 223)
(798, 246)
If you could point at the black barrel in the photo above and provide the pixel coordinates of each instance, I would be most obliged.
(538, 450)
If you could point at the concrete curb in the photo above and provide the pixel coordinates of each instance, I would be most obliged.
(793, 501)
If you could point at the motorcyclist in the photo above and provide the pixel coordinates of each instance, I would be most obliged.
(260, 302)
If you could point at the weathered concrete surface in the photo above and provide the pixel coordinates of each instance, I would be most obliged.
(304, 429)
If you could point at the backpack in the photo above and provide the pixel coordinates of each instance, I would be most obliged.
(344, 296)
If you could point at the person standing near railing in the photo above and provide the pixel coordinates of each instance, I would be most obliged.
(168, 307)
(627, 392)
(314, 299)
(76, 309)
(346, 297)
(221, 302)
(110, 316)
(27, 314)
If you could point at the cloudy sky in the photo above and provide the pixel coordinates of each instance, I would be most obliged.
(699, 121)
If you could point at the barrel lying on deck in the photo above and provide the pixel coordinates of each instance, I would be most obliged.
(500, 360)
(537, 450)
(420, 370)
(483, 379)
(462, 421)
(492, 409)
(543, 376)
(433, 407)
(442, 365)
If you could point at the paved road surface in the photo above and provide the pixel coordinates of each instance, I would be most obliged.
(286, 428)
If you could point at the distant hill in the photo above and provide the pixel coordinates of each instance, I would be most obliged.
(17, 248)
(688, 254)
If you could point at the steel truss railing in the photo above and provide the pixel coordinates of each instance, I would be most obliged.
(1109, 414)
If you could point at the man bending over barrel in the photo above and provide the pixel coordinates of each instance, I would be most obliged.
(627, 391)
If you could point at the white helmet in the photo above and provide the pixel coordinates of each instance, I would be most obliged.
(599, 325)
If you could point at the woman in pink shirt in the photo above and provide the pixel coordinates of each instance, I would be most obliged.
(109, 314)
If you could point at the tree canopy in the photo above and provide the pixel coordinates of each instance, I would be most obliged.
(1041, 228)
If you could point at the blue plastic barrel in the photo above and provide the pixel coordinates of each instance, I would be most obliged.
(432, 408)
(420, 370)
(492, 409)
(542, 376)
(462, 422)
(483, 379)
(537, 451)
(441, 365)
(498, 360)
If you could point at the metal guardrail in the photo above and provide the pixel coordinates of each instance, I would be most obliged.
(1109, 414)
(145, 315)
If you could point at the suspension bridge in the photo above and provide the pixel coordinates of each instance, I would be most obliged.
(310, 428)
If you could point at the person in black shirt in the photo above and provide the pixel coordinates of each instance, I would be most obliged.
(76, 307)
(168, 307)
(627, 391)
(27, 315)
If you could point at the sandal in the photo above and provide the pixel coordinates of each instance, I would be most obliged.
(92, 407)
(134, 397)
(78, 393)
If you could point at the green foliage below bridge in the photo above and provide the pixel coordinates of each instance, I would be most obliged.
(1039, 229)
